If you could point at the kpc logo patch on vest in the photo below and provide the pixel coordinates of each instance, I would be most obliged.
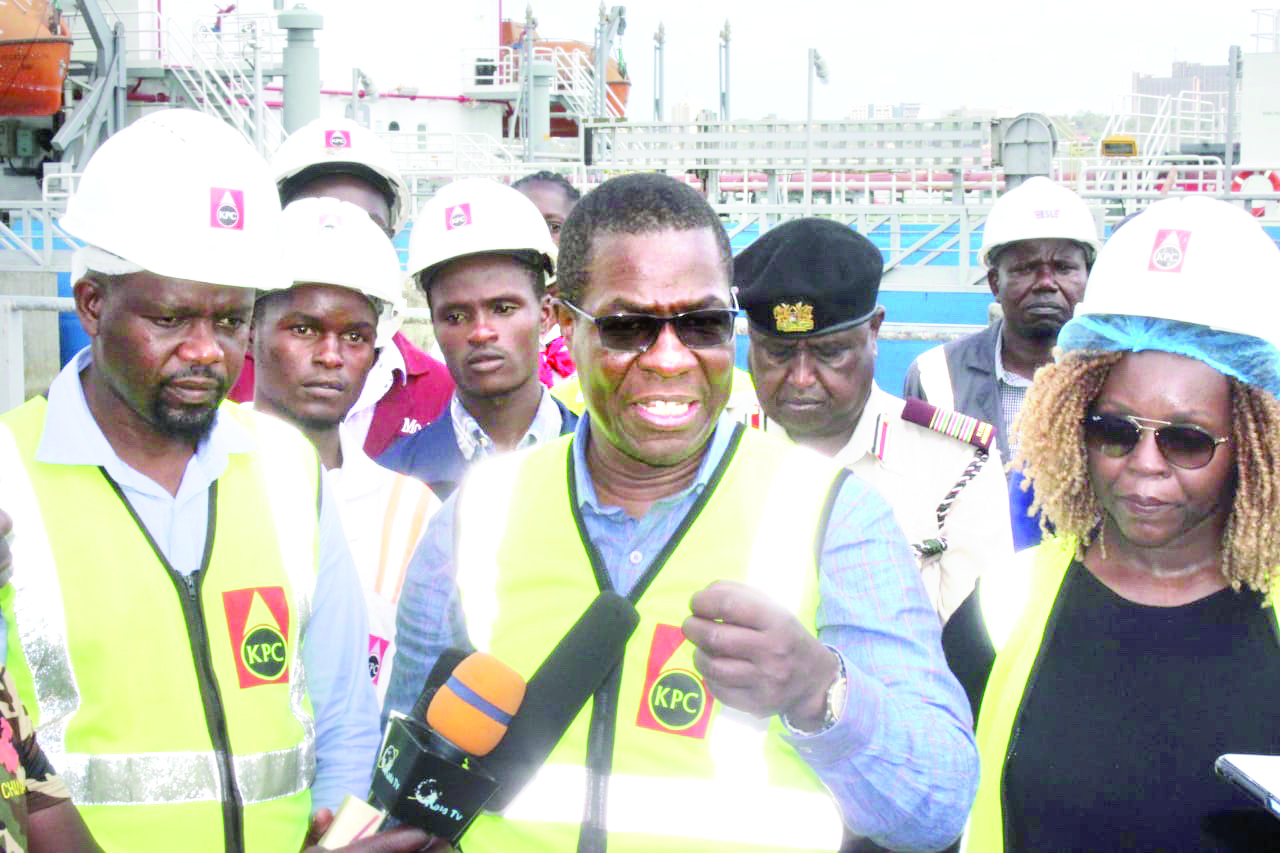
(675, 699)
(258, 622)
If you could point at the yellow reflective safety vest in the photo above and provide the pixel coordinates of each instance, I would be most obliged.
(1016, 599)
(175, 709)
(687, 773)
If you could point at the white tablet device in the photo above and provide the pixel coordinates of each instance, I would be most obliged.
(1256, 775)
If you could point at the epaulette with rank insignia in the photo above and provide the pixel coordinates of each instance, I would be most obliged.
(963, 427)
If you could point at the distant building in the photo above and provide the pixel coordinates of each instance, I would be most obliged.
(1187, 108)
(883, 112)
(1190, 77)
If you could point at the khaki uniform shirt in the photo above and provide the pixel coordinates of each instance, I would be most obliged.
(914, 467)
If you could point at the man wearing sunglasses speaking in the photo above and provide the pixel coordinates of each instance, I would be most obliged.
(482, 252)
(809, 288)
(786, 675)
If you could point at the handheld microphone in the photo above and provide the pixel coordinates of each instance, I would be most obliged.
(570, 675)
(558, 690)
(424, 776)
(448, 661)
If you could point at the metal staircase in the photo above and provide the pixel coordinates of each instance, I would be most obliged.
(1162, 126)
(574, 75)
(223, 76)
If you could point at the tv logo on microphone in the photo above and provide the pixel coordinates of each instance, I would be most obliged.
(387, 763)
(429, 798)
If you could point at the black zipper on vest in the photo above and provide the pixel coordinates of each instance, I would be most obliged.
(188, 589)
(592, 835)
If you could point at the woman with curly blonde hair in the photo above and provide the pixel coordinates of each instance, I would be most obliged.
(1109, 666)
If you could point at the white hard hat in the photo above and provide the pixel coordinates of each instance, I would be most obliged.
(474, 217)
(340, 146)
(181, 194)
(1038, 209)
(1191, 259)
(327, 241)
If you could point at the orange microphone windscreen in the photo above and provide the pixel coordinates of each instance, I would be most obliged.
(474, 707)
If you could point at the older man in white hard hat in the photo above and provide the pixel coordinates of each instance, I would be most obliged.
(337, 158)
(1038, 244)
(315, 344)
(187, 626)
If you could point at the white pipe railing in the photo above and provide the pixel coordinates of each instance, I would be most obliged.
(13, 369)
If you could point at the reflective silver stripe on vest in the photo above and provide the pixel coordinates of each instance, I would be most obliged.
(485, 495)
(1003, 591)
(779, 566)
(148, 778)
(43, 629)
(145, 778)
(292, 512)
(727, 811)
(935, 378)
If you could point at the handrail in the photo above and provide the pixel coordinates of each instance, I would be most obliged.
(1165, 122)
(574, 78)
(13, 378)
(213, 80)
(30, 237)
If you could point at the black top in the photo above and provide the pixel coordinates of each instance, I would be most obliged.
(1127, 708)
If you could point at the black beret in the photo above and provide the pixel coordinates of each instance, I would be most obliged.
(808, 276)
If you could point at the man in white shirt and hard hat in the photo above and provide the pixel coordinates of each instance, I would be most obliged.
(337, 158)
(315, 343)
(186, 629)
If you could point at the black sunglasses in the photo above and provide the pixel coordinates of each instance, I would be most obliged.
(705, 327)
(1184, 445)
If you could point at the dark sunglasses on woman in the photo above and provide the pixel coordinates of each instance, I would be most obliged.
(1184, 445)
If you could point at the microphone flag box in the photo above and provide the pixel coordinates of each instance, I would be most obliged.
(423, 789)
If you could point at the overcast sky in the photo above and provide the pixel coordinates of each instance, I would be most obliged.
(1008, 55)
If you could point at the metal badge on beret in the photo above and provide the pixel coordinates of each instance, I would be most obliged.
(808, 276)
(793, 317)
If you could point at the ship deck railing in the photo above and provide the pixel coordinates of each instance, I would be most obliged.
(240, 34)
(778, 145)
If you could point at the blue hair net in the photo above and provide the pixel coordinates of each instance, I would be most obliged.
(1249, 359)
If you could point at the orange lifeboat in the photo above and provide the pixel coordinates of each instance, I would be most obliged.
(35, 47)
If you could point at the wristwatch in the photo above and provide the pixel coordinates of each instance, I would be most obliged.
(837, 697)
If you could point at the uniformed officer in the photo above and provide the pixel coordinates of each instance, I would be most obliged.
(809, 288)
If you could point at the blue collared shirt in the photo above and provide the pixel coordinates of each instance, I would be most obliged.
(901, 761)
(334, 648)
(475, 444)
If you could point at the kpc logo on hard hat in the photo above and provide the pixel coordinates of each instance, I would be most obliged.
(1169, 250)
(337, 139)
(457, 216)
(226, 208)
